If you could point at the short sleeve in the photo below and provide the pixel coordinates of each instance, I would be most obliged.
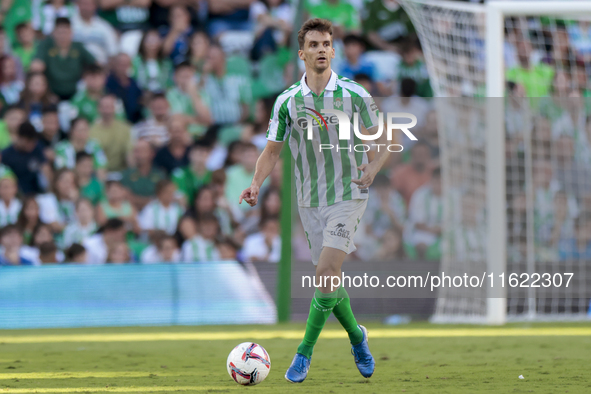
(280, 122)
(368, 109)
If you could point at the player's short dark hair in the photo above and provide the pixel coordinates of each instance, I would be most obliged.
(408, 87)
(82, 155)
(62, 21)
(27, 131)
(316, 24)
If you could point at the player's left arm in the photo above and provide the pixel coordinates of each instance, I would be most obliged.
(369, 118)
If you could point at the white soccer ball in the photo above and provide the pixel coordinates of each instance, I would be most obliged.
(248, 364)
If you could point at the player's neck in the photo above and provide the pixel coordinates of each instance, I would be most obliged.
(318, 81)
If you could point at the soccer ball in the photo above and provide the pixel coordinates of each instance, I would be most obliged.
(248, 364)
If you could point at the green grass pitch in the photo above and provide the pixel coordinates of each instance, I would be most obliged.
(416, 358)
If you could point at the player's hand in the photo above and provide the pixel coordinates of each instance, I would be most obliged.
(369, 173)
(250, 195)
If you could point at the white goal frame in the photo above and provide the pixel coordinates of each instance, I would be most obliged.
(495, 13)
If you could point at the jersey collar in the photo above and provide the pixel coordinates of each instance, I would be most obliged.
(331, 85)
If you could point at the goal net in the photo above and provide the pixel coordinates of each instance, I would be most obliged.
(514, 119)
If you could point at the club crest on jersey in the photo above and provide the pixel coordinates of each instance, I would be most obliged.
(338, 102)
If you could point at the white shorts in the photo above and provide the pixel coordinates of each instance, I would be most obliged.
(333, 226)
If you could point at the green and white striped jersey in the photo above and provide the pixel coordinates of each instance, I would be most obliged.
(323, 177)
(65, 154)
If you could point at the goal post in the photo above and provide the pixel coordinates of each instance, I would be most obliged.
(464, 47)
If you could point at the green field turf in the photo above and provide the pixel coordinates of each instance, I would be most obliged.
(415, 358)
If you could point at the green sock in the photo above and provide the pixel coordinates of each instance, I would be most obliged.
(344, 314)
(320, 309)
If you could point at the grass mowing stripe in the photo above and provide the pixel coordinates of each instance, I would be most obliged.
(88, 374)
(297, 334)
(146, 389)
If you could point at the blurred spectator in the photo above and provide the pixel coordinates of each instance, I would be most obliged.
(273, 23)
(163, 212)
(58, 208)
(229, 95)
(11, 241)
(413, 67)
(141, 179)
(354, 62)
(367, 82)
(270, 205)
(76, 254)
(5, 50)
(264, 245)
(579, 34)
(385, 23)
(10, 206)
(125, 88)
(117, 206)
(51, 133)
(240, 175)
(341, 13)
(62, 60)
(425, 217)
(48, 253)
(109, 235)
(168, 250)
(79, 141)
(126, 15)
(112, 134)
(198, 50)
(153, 129)
(191, 178)
(26, 44)
(184, 97)
(35, 97)
(47, 17)
(568, 172)
(228, 249)
(176, 35)
(98, 36)
(209, 200)
(28, 218)
(151, 68)
(26, 159)
(83, 227)
(535, 78)
(579, 246)
(386, 208)
(199, 242)
(409, 177)
(390, 246)
(175, 154)
(119, 253)
(228, 15)
(90, 186)
(13, 118)
(11, 85)
(42, 233)
(86, 100)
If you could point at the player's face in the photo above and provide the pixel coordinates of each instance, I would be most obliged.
(318, 51)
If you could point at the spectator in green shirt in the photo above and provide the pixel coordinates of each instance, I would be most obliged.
(537, 79)
(13, 117)
(141, 179)
(26, 44)
(62, 60)
(86, 100)
(90, 186)
(191, 178)
(413, 67)
(385, 23)
(340, 13)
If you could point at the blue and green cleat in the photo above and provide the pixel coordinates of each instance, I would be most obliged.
(363, 358)
(298, 370)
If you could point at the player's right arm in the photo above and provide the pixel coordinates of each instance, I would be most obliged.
(265, 165)
(279, 129)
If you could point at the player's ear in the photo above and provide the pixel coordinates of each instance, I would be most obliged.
(301, 54)
(333, 52)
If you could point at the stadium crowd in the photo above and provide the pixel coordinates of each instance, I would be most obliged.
(130, 127)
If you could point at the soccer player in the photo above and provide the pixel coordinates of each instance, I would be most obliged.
(332, 185)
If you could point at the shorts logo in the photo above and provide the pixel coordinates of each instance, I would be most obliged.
(340, 231)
